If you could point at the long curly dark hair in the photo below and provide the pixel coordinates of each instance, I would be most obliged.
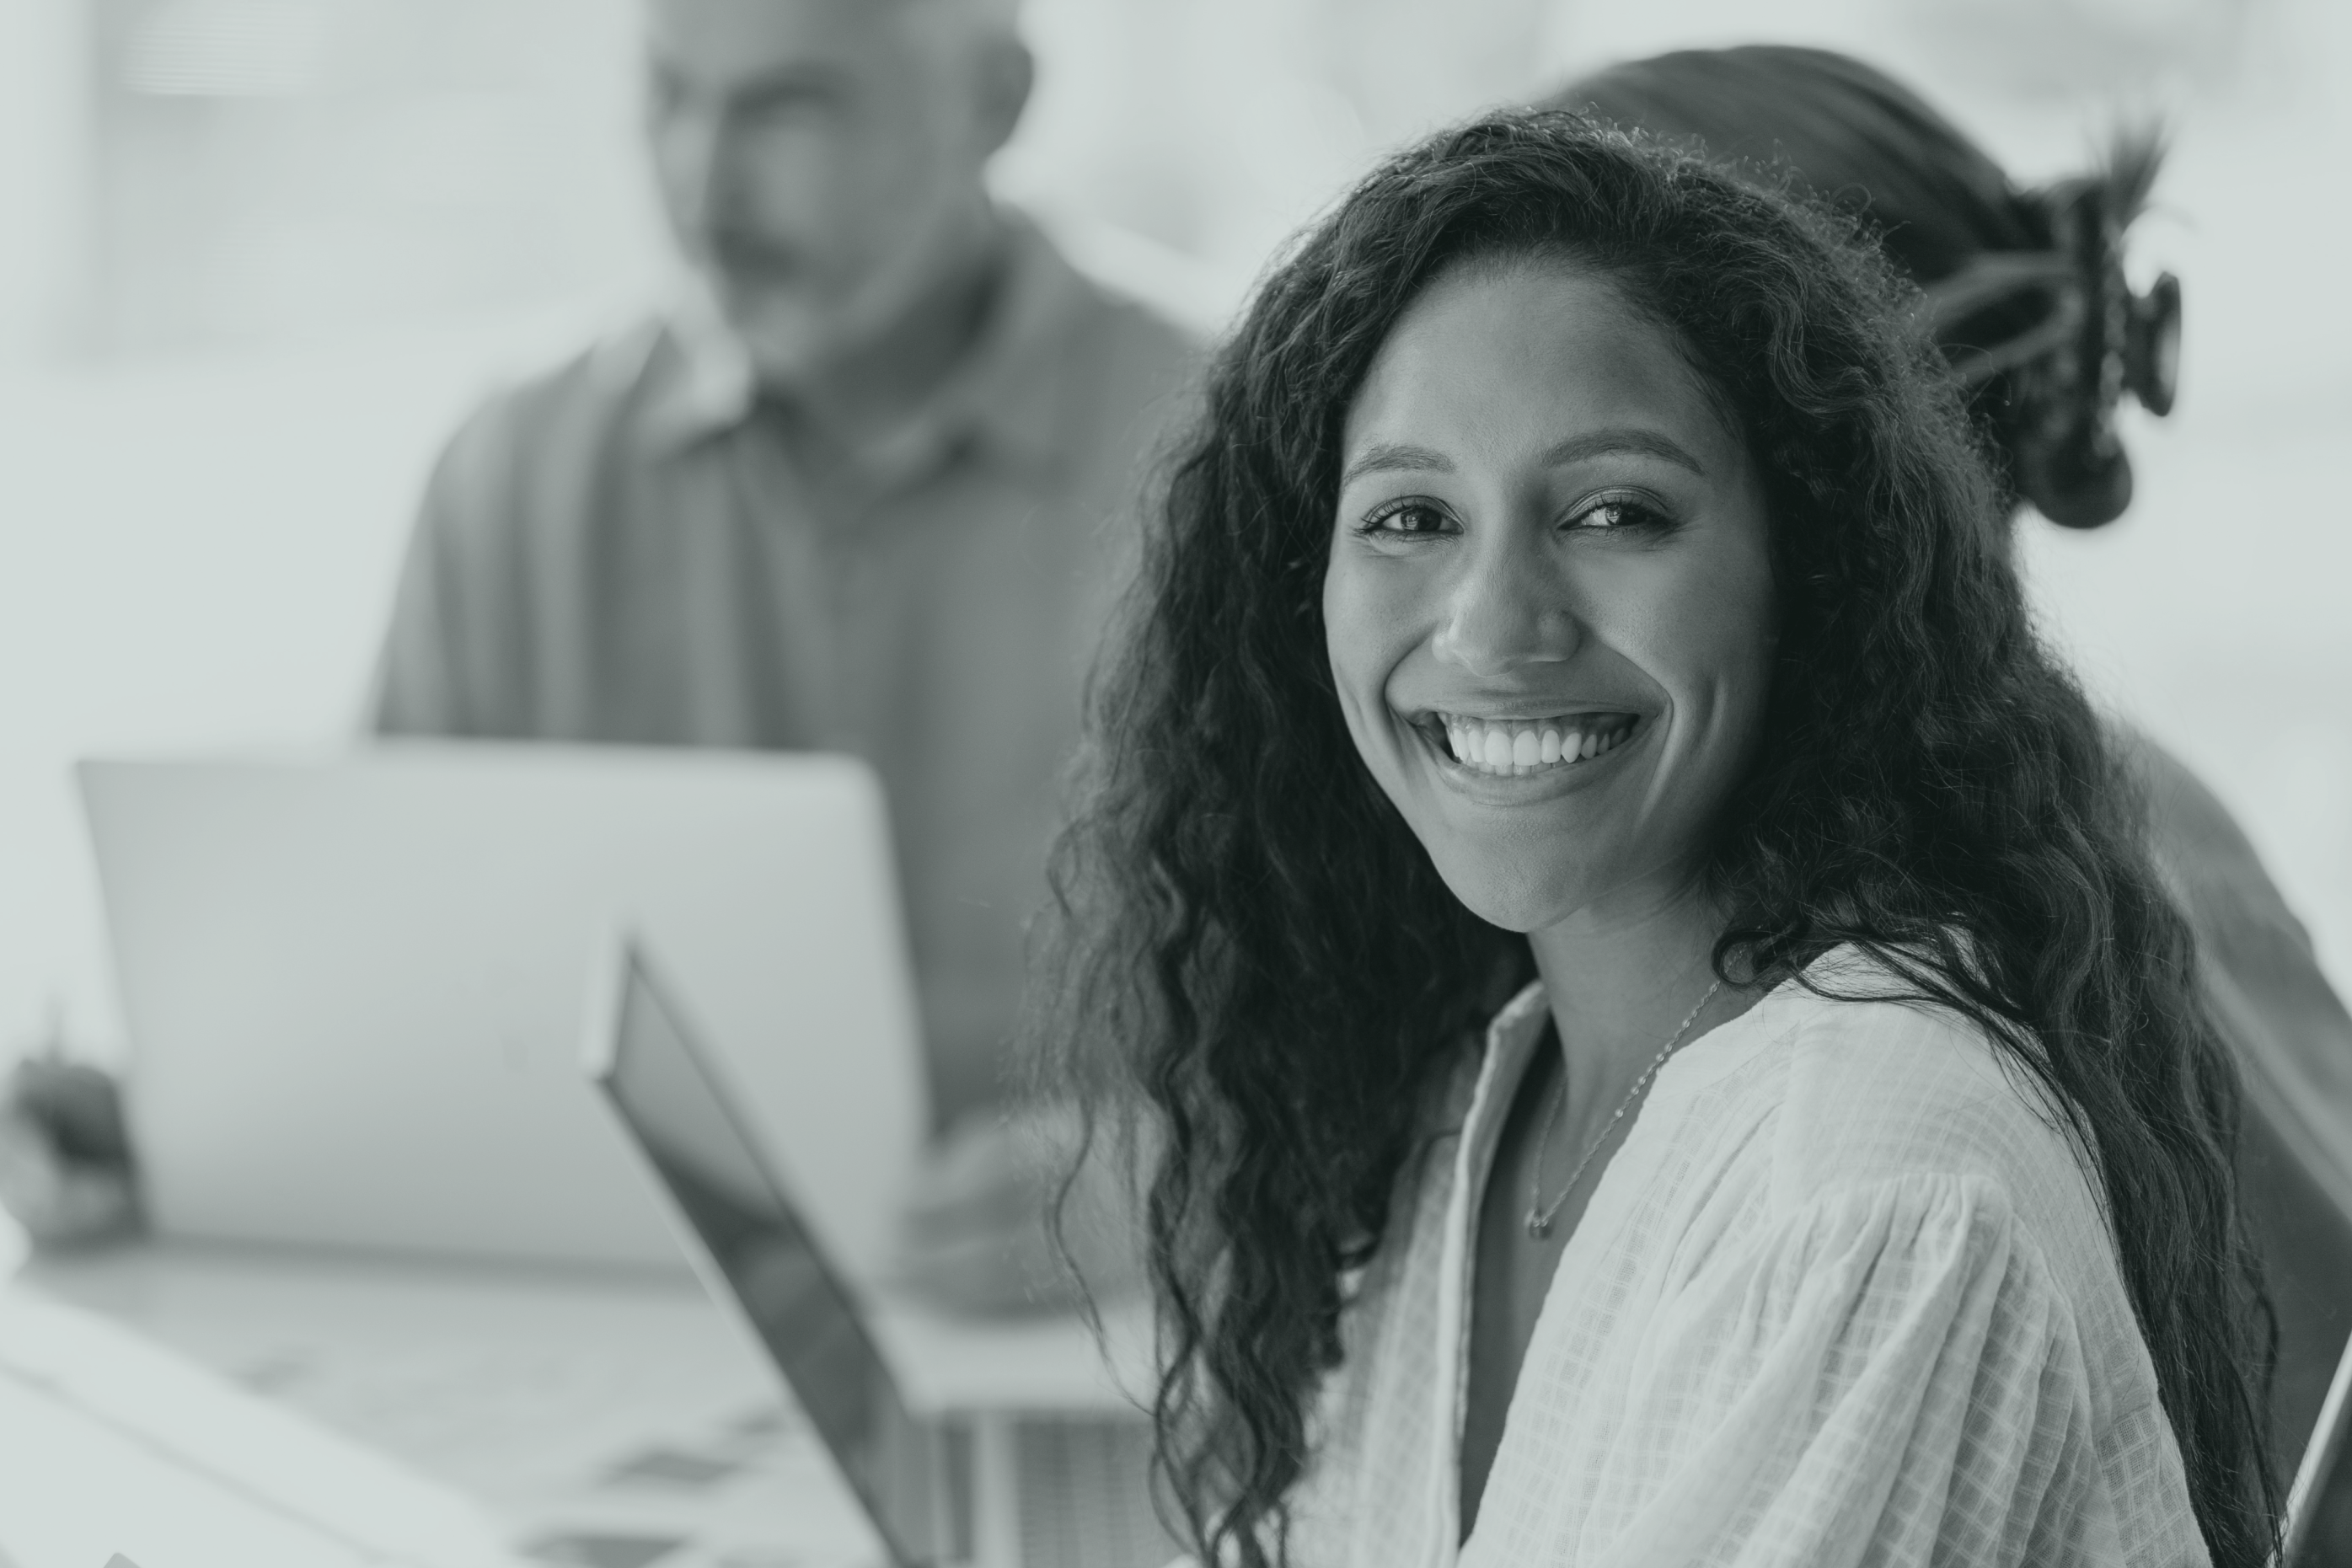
(1252, 944)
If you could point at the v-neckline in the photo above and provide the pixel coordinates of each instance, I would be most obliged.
(1516, 1033)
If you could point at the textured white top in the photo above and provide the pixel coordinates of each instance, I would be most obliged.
(1843, 1296)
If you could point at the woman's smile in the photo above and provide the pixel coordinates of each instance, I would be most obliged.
(1557, 749)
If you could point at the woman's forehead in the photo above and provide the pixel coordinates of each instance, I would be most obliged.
(1498, 358)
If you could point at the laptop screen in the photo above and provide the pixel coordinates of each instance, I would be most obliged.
(680, 1112)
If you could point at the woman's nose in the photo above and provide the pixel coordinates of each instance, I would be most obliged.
(1505, 611)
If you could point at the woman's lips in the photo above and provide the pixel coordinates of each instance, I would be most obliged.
(1516, 748)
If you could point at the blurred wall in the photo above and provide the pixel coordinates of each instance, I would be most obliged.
(45, 127)
(256, 255)
(286, 170)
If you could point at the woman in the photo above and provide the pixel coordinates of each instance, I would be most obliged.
(1662, 1043)
(2011, 277)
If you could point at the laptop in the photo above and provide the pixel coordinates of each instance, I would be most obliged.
(994, 1489)
(2318, 1530)
(353, 986)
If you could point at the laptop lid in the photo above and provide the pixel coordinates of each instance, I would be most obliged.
(2318, 1528)
(681, 1109)
(355, 985)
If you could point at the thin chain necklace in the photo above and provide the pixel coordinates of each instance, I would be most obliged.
(1541, 1214)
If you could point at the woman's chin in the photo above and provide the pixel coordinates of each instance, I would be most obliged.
(1515, 893)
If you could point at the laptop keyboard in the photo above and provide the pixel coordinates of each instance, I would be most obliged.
(1086, 1496)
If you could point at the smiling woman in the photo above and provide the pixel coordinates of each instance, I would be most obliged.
(1661, 1040)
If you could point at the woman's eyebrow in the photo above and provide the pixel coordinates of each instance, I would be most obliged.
(1388, 457)
(1391, 457)
(1601, 442)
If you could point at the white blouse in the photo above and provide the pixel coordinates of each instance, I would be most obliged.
(1842, 1296)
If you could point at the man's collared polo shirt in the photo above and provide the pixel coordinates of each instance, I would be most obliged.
(633, 549)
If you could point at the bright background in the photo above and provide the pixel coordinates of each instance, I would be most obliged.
(257, 255)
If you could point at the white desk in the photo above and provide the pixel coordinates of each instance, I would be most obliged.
(581, 1410)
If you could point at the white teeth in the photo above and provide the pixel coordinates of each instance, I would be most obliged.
(1508, 748)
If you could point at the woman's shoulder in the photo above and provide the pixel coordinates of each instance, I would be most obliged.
(1876, 1088)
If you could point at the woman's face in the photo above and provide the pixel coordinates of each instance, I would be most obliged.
(1548, 605)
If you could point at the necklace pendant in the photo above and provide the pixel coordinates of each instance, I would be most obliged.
(1539, 1226)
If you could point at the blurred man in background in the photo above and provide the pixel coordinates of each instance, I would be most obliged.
(862, 492)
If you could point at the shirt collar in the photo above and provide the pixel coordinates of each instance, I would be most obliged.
(700, 378)
(1512, 1036)
(1522, 1017)
(1001, 392)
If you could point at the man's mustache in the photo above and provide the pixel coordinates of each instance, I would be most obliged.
(741, 252)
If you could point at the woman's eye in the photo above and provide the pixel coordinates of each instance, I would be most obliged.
(1618, 515)
(1406, 519)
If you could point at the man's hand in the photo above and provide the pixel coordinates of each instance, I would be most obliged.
(976, 1237)
(65, 1157)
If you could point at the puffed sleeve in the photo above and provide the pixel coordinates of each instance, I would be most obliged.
(1889, 1376)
